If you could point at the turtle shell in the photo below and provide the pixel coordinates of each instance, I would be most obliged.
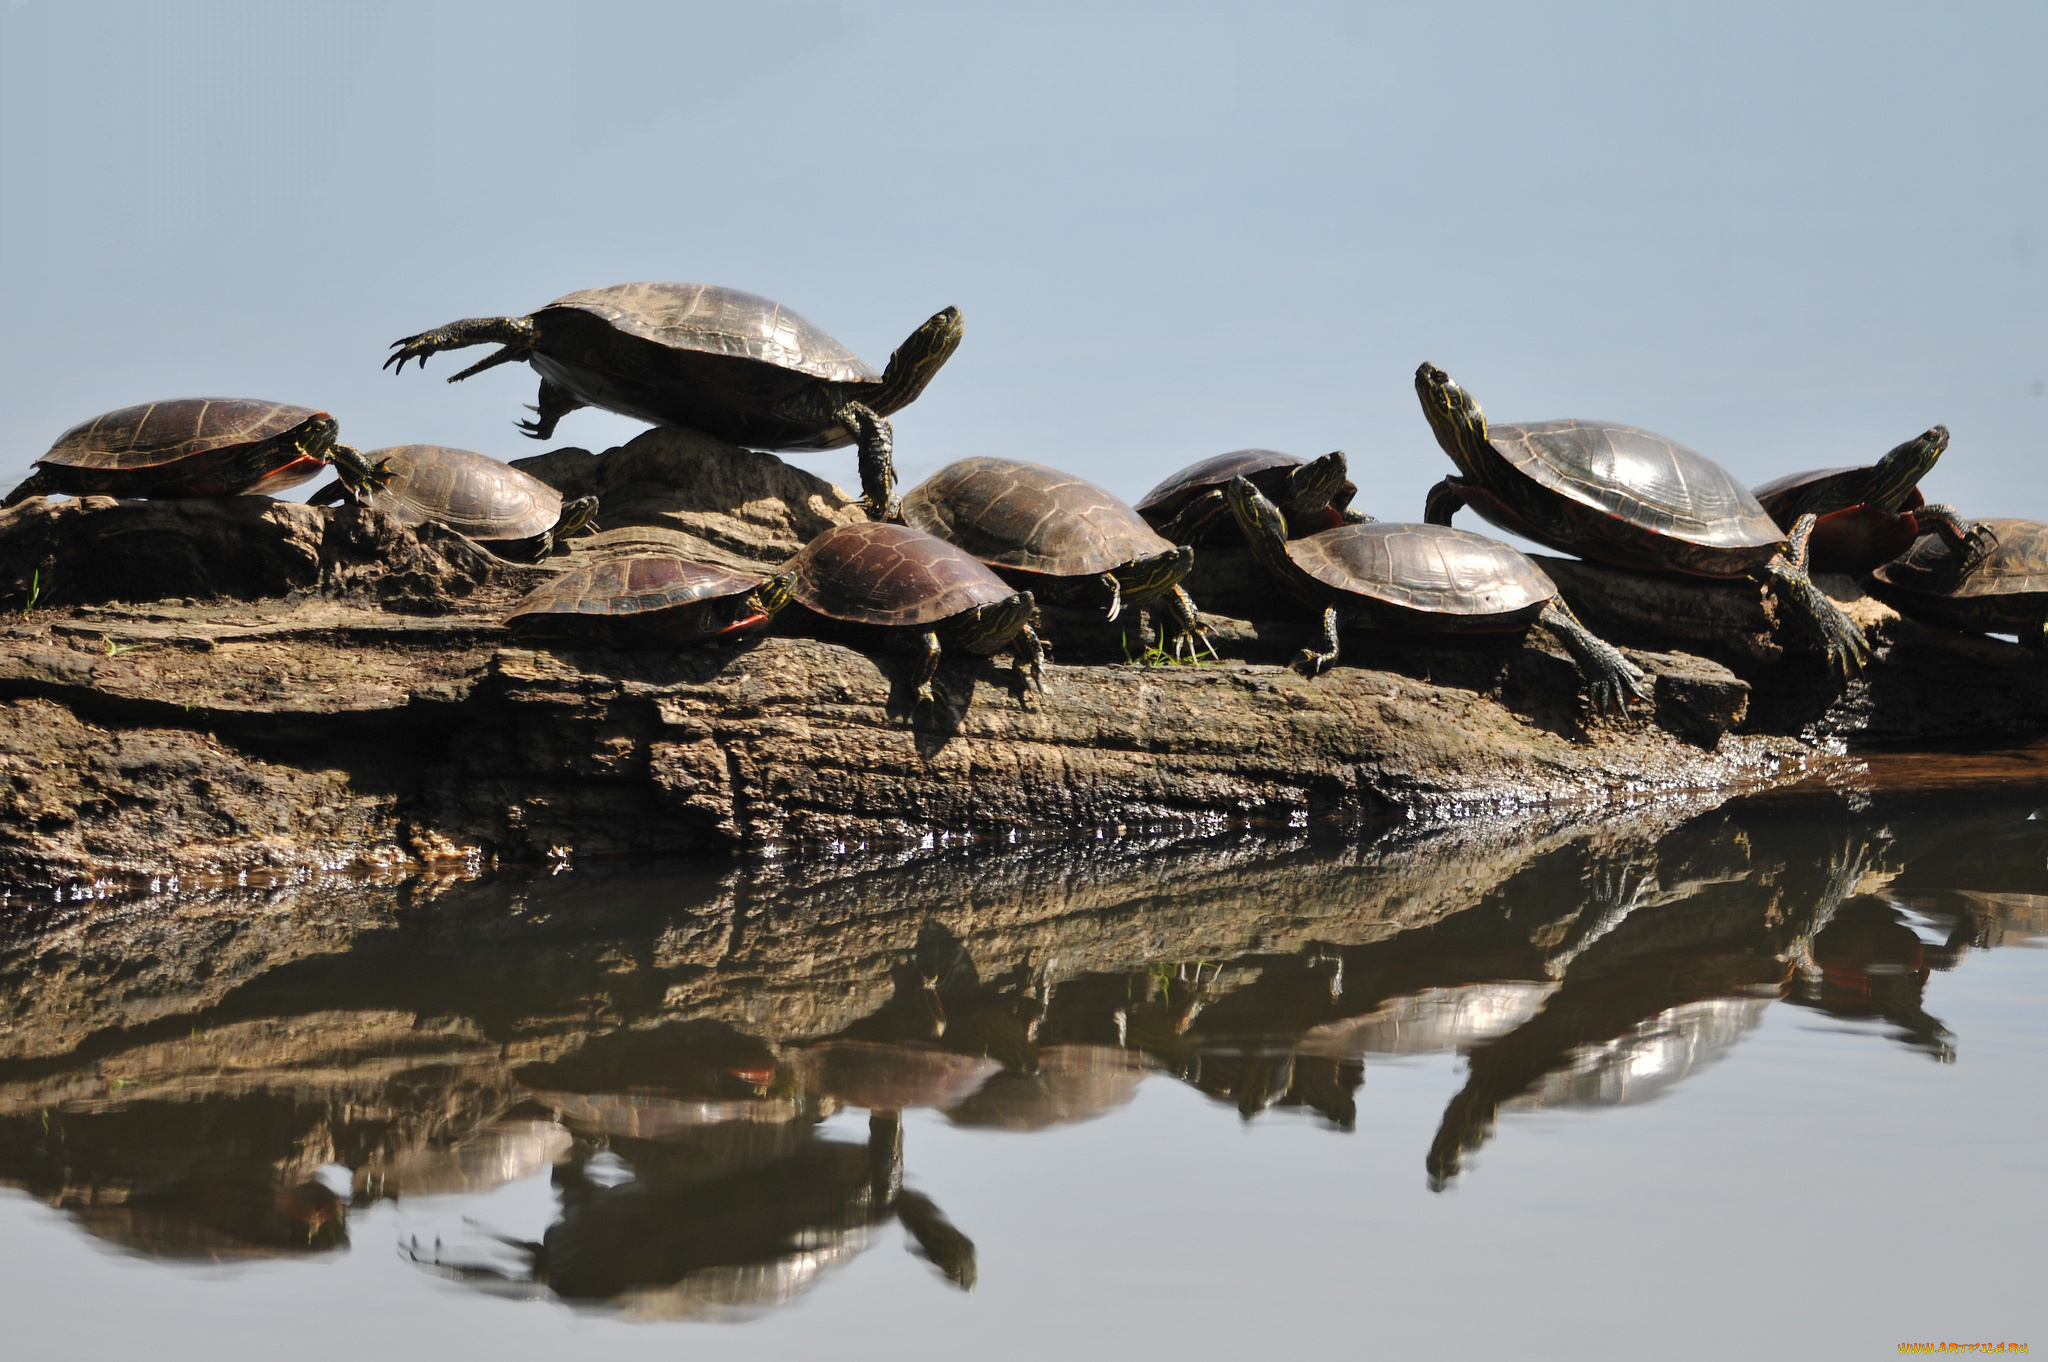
(1167, 499)
(1427, 570)
(720, 321)
(1031, 518)
(470, 493)
(1656, 485)
(642, 597)
(159, 433)
(891, 575)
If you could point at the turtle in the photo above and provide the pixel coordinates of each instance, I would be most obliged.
(1189, 507)
(898, 577)
(1625, 497)
(1422, 579)
(196, 447)
(1064, 538)
(2004, 591)
(472, 494)
(1871, 514)
(648, 599)
(728, 363)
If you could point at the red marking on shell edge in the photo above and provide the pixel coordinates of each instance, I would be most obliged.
(754, 621)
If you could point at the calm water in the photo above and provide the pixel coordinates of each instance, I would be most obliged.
(1765, 1078)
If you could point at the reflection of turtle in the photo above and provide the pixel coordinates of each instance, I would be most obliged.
(896, 577)
(648, 600)
(1427, 578)
(1625, 497)
(2005, 592)
(1189, 507)
(1065, 538)
(196, 447)
(1871, 514)
(515, 513)
(718, 1220)
(713, 359)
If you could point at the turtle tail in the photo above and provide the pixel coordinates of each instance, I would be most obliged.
(36, 484)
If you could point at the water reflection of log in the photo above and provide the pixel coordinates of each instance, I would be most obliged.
(179, 1092)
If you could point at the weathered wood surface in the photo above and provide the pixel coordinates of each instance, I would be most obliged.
(237, 687)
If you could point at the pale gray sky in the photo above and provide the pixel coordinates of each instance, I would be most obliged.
(1787, 235)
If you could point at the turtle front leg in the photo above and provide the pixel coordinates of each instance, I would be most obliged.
(1611, 679)
(1116, 595)
(1833, 632)
(1445, 501)
(1308, 661)
(877, 441)
(928, 668)
(36, 484)
(1968, 540)
(1191, 633)
(551, 406)
(1029, 651)
(517, 334)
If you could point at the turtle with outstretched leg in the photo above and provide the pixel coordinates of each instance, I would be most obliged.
(1422, 579)
(515, 514)
(1871, 514)
(733, 365)
(197, 447)
(1625, 497)
(899, 578)
(1189, 507)
(1063, 537)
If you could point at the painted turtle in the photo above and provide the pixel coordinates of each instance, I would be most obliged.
(1189, 507)
(472, 494)
(196, 447)
(1066, 539)
(728, 363)
(897, 577)
(648, 600)
(1871, 514)
(2005, 591)
(1424, 579)
(1626, 497)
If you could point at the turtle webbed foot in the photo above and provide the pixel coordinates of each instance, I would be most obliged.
(1611, 679)
(1970, 541)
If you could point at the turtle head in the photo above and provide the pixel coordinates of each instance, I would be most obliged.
(772, 595)
(1258, 519)
(917, 359)
(1148, 579)
(356, 473)
(986, 628)
(1311, 486)
(1893, 477)
(1459, 424)
(578, 517)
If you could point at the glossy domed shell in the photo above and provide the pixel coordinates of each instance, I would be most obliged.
(1434, 569)
(891, 575)
(158, 433)
(1027, 516)
(1643, 478)
(640, 584)
(721, 321)
(471, 493)
(1169, 496)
